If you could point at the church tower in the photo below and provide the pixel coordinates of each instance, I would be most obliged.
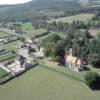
(70, 52)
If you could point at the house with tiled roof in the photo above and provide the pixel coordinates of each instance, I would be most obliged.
(73, 62)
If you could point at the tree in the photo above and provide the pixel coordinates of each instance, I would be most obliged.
(95, 60)
(92, 79)
(50, 49)
(87, 34)
(53, 38)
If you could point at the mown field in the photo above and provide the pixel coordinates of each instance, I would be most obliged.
(70, 19)
(41, 83)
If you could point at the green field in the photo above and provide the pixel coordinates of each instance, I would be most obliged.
(10, 46)
(3, 34)
(41, 83)
(7, 56)
(70, 19)
(2, 72)
(8, 49)
(94, 32)
(30, 31)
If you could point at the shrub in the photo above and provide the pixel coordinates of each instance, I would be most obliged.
(92, 79)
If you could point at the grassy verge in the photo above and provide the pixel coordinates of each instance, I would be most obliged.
(62, 73)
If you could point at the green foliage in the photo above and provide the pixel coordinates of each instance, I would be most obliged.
(52, 46)
(53, 38)
(91, 78)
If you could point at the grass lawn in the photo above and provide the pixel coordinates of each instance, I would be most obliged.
(29, 29)
(41, 83)
(70, 19)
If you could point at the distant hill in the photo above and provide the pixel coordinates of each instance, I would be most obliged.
(26, 10)
(41, 4)
(8, 12)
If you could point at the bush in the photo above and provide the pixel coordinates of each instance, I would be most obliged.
(92, 80)
(95, 60)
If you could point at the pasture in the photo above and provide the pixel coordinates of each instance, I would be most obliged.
(10, 46)
(70, 19)
(31, 31)
(41, 83)
(2, 34)
(7, 56)
(94, 32)
(2, 72)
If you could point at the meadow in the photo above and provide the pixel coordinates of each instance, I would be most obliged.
(94, 32)
(41, 83)
(9, 47)
(70, 19)
(31, 31)
(2, 34)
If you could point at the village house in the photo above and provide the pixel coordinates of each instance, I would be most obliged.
(21, 63)
(73, 62)
(36, 50)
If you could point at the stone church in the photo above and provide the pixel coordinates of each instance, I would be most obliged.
(73, 62)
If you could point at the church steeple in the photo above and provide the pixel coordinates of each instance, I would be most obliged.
(70, 52)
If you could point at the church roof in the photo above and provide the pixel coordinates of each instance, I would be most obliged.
(74, 60)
